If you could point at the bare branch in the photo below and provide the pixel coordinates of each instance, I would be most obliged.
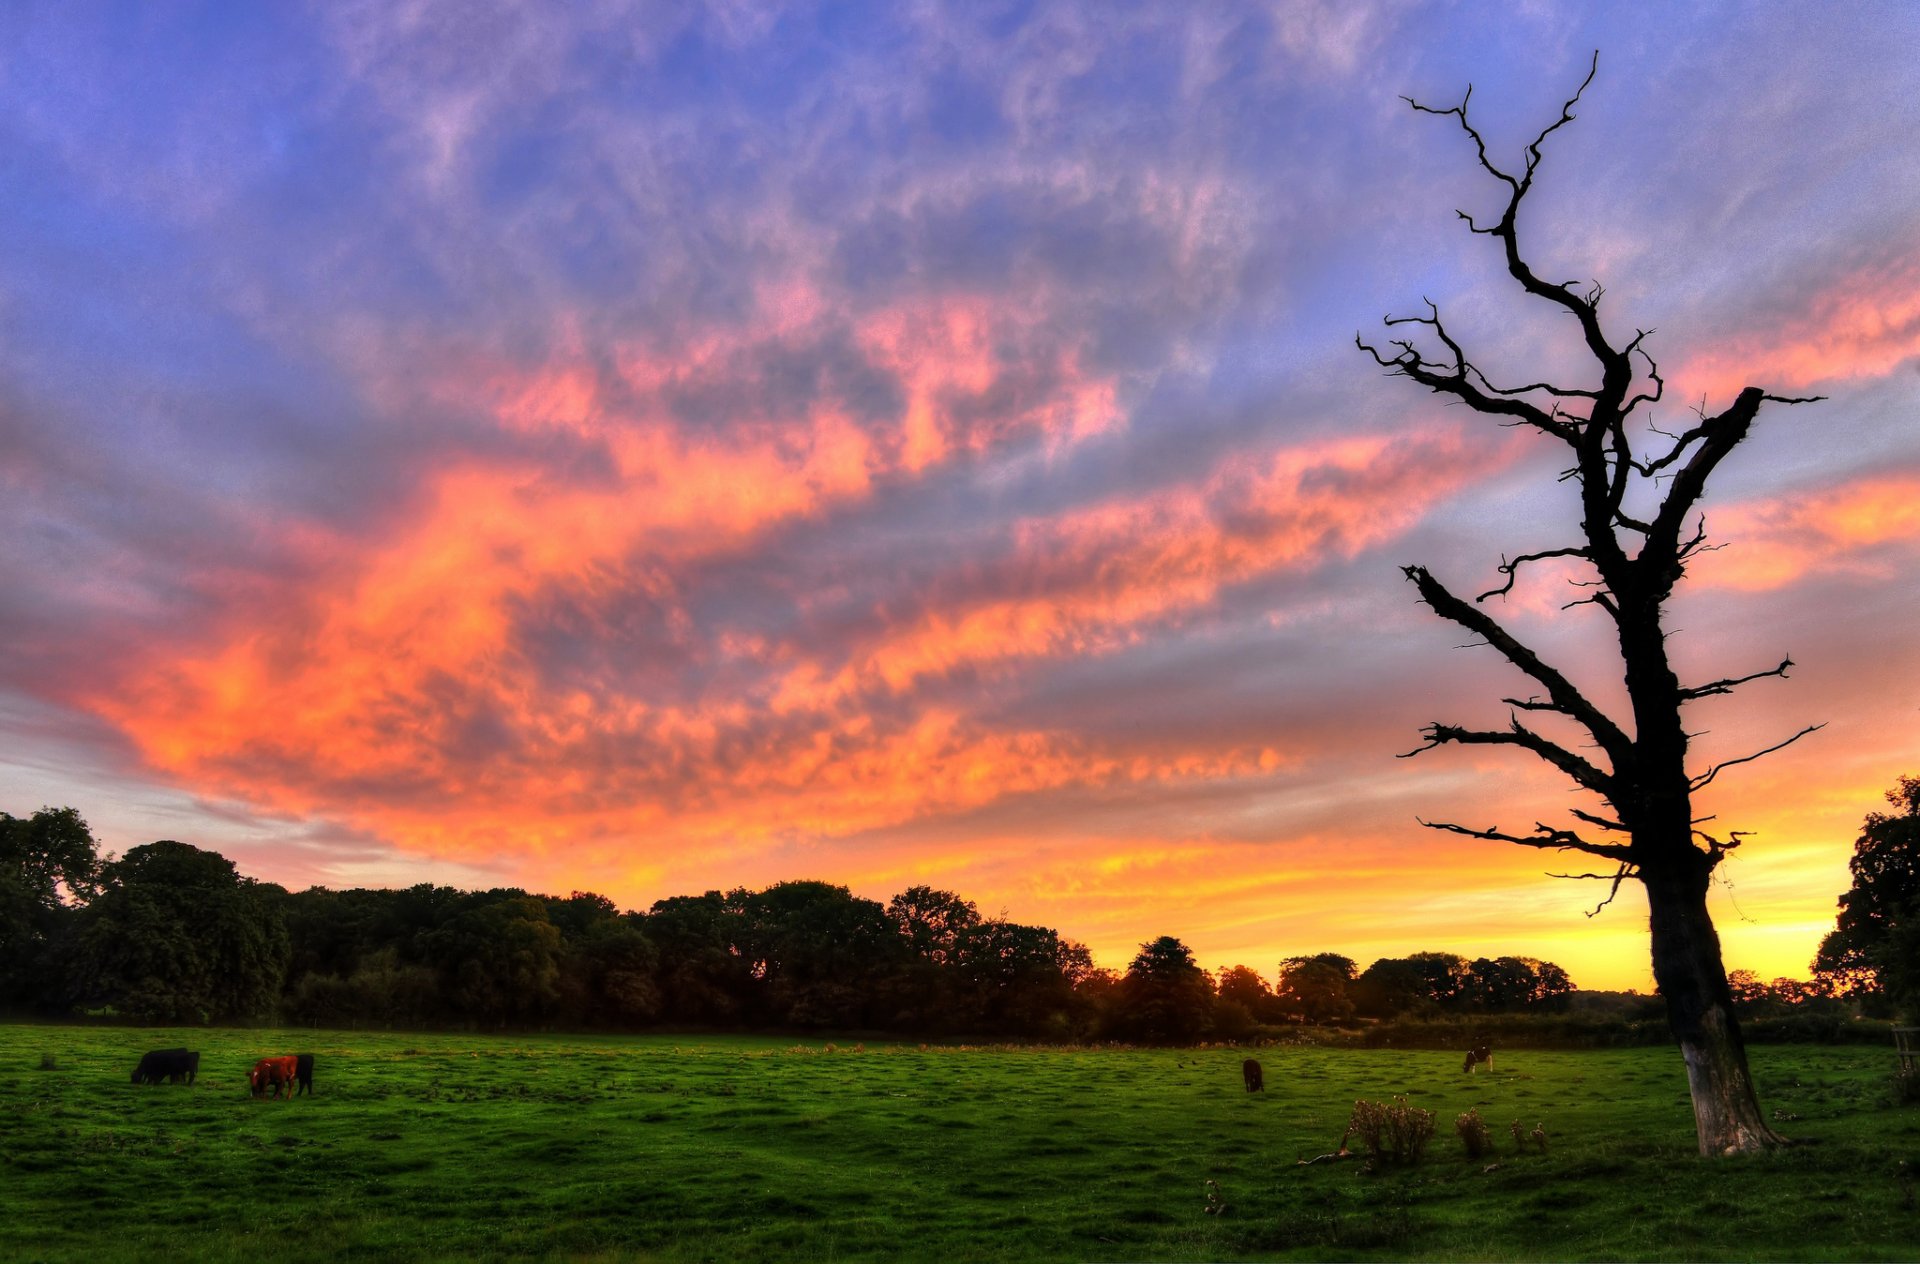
(1601, 821)
(1544, 837)
(1580, 770)
(1620, 875)
(1728, 685)
(1570, 701)
(1508, 568)
(1708, 776)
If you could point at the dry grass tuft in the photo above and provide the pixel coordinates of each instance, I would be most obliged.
(1391, 1133)
(1473, 1134)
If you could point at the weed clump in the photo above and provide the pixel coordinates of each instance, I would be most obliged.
(1473, 1134)
(1521, 1140)
(1391, 1133)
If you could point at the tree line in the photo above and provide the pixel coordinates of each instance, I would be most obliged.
(176, 934)
(171, 933)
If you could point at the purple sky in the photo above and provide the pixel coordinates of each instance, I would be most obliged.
(653, 448)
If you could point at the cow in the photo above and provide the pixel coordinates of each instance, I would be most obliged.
(1477, 1055)
(303, 1071)
(173, 1065)
(1255, 1078)
(274, 1073)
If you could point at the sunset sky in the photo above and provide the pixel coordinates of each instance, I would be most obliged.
(647, 449)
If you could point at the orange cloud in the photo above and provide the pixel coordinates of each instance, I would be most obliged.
(1093, 579)
(1850, 528)
(1863, 325)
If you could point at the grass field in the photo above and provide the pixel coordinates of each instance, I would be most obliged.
(457, 1146)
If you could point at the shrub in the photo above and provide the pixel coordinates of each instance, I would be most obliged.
(1473, 1134)
(1395, 1133)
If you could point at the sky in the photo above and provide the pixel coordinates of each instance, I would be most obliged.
(656, 448)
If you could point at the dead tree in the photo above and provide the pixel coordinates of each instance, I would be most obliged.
(1639, 491)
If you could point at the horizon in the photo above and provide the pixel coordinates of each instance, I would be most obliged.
(651, 453)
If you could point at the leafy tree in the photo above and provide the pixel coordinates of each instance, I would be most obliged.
(702, 978)
(1243, 986)
(1315, 989)
(624, 967)
(1639, 490)
(500, 958)
(177, 935)
(1167, 998)
(932, 922)
(48, 864)
(1018, 978)
(820, 956)
(1871, 947)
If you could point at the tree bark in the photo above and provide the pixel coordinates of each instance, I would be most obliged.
(1693, 981)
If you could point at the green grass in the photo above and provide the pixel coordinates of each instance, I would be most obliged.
(454, 1146)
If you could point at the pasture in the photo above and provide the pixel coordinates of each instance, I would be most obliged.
(694, 1149)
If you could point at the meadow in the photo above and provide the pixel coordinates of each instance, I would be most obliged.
(695, 1149)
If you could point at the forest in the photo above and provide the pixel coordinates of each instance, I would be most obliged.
(172, 933)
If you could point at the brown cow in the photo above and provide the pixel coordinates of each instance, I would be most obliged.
(1256, 1079)
(1477, 1055)
(275, 1073)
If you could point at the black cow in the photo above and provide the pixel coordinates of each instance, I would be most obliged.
(173, 1065)
(1256, 1079)
(303, 1073)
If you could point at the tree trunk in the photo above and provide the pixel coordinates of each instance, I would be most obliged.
(1693, 981)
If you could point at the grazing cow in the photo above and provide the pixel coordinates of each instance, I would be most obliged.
(274, 1073)
(174, 1065)
(303, 1071)
(1477, 1055)
(1256, 1079)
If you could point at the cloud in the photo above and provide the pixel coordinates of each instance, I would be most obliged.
(1866, 528)
(1861, 324)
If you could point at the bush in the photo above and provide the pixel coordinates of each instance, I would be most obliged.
(1395, 1133)
(1473, 1134)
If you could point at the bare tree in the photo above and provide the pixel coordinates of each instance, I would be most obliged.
(1639, 489)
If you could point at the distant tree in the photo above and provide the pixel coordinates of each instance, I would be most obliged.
(500, 959)
(49, 864)
(1167, 998)
(1748, 991)
(703, 979)
(1424, 982)
(1242, 985)
(623, 972)
(1018, 979)
(1508, 984)
(1871, 947)
(1315, 989)
(932, 922)
(177, 935)
(1552, 985)
(1639, 491)
(819, 956)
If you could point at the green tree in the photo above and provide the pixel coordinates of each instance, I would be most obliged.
(1167, 998)
(49, 864)
(1871, 947)
(177, 935)
(1315, 989)
(819, 955)
(703, 979)
(1243, 986)
(500, 959)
